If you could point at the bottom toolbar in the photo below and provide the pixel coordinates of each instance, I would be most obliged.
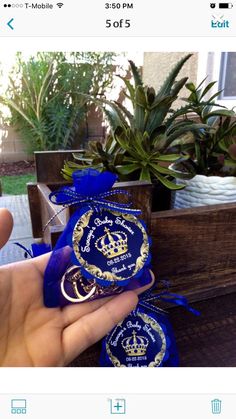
(130, 406)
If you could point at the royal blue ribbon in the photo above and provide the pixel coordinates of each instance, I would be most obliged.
(27, 252)
(66, 196)
(91, 188)
(37, 249)
(147, 297)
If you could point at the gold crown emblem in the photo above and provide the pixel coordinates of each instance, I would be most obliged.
(112, 244)
(135, 345)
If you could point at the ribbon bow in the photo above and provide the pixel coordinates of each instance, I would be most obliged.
(67, 196)
(91, 188)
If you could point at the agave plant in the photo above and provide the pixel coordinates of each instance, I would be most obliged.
(213, 149)
(143, 139)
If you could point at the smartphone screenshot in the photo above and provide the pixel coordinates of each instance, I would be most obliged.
(117, 209)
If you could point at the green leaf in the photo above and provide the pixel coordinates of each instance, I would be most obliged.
(83, 158)
(139, 118)
(158, 114)
(161, 169)
(160, 102)
(140, 97)
(220, 112)
(128, 168)
(201, 158)
(179, 132)
(122, 138)
(151, 94)
(198, 87)
(129, 87)
(137, 78)
(216, 95)
(190, 86)
(167, 86)
(127, 113)
(178, 125)
(167, 183)
(207, 88)
(178, 174)
(18, 109)
(178, 86)
(168, 157)
(145, 174)
(113, 118)
(184, 110)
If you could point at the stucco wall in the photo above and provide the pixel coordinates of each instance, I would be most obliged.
(11, 147)
(157, 66)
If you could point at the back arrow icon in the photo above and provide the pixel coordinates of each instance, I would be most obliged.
(9, 24)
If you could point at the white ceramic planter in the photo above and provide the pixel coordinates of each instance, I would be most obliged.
(203, 190)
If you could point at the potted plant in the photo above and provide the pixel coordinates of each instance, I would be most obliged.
(141, 142)
(212, 152)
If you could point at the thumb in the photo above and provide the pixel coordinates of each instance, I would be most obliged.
(6, 225)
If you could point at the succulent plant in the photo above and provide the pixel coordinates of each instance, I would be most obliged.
(142, 141)
(213, 149)
(100, 156)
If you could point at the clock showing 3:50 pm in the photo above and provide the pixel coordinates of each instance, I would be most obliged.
(119, 6)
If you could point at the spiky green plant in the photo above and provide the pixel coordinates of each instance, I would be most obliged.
(43, 95)
(143, 137)
(213, 149)
(108, 156)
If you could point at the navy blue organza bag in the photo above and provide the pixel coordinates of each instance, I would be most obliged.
(104, 249)
(145, 338)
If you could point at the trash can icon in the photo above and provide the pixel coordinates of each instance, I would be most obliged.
(216, 406)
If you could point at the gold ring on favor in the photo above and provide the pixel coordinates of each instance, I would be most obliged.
(81, 298)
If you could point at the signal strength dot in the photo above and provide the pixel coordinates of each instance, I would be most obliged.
(60, 5)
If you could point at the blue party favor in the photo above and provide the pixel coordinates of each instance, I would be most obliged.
(104, 249)
(144, 339)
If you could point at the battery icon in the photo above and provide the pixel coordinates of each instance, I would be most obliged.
(225, 5)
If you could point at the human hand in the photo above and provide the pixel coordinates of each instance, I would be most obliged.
(34, 335)
(6, 225)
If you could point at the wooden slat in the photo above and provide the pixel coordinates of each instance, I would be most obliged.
(50, 163)
(49, 211)
(140, 197)
(195, 249)
(35, 210)
(208, 340)
(54, 234)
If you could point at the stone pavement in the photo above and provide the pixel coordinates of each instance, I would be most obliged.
(22, 233)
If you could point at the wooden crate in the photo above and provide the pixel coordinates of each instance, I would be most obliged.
(194, 249)
(50, 163)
